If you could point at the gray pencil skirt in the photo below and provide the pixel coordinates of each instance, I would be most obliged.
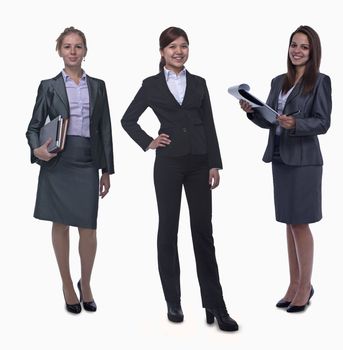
(68, 192)
(297, 193)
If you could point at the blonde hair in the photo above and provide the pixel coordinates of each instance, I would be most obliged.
(68, 31)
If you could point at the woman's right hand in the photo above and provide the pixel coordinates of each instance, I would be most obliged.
(246, 106)
(161, 141)
(42, 152)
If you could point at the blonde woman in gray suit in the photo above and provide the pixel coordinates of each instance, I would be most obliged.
(69, 184)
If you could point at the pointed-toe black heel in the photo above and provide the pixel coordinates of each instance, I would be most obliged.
(283, 303)
(72, 308)
(300, 308)
(87, 305)
(225, 322)
(175, 313)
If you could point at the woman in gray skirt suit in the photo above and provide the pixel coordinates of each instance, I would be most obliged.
(302, 97)
(69, 184)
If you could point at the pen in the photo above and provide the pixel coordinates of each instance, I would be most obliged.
(293, 113)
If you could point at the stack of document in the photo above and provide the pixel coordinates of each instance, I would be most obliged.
(56, 130)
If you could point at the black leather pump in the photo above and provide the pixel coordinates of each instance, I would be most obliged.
(283, 303)
(295, 308)
(87, 305)
(72, 308)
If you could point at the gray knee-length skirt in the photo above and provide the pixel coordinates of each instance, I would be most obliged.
(68, 192)
(297, 193)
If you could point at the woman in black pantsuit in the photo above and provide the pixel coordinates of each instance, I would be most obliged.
(69, 185)
(187, 155)
(302, 97)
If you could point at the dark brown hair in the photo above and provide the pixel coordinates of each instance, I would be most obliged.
(169, 35)
(68, 31)
(312, 66)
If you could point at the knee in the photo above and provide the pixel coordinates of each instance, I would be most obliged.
(57, 227)
(299, 228)
(87, 234)
(202, 228)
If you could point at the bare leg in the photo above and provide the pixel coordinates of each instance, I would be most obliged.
(60, 242)
(304, 248)
(87, 250)
(293, 266)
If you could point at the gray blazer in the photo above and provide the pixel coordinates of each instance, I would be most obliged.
(52, 101)
(299, 146)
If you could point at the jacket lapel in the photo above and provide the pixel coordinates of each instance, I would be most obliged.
(190, 87)
(274, 98)
(92, 90)
(165, 89)
(60, 89)
(295, 92)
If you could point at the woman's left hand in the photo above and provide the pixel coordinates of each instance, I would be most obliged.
(287, 122)
(104, 185)
(213, 178)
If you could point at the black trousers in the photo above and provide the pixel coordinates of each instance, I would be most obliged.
(170, 175)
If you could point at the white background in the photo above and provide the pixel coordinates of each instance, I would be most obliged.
(230, 43)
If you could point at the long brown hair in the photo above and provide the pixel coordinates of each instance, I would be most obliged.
(312, 66)
(167, 36)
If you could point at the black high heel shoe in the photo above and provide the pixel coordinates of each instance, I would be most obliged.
(72, 308)
(295, 308)
(225, 322)
(175, 313)
(283, 303)
(87, 305)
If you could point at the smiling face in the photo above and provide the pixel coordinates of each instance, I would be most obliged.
(175, 54)
(299, 50)
(72, 50)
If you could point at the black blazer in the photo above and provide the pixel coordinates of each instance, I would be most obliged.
(52, 101)
(189, 125)
(299, 146)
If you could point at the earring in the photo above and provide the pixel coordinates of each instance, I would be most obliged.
(84, 59)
